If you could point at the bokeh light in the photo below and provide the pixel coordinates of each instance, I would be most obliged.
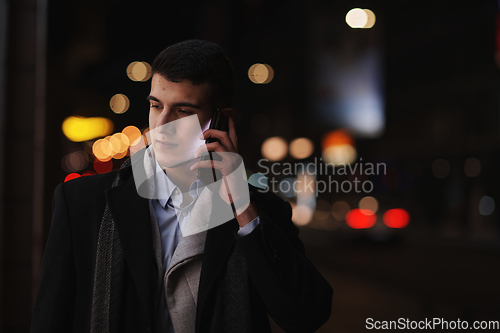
(440, 168)
(102, 150)
(370, 22)
(323, 210)
(340, 209)
(139, 71)
(356, 18)
(486, 206)
(301, 148)
(79, 129)
(120, 155)
(472, 167)
(274, 149)
(337, 137)
(115, 146)
(103, 166)
(119, 103)
(71, 176)
(119, 145)
(146, 136)
(338, 147)
(368, 203)
(396, 218)
(301, 215)
(260, 73)
(133, 134)
(342, 154)
(360, 218)
(75, 161)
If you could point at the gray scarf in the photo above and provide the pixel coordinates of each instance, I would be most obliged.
(108, 273)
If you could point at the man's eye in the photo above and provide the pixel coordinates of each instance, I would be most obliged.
(184, 111)
(156, 106)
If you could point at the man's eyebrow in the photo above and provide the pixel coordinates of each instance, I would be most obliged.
(152, 98)
(187, 104)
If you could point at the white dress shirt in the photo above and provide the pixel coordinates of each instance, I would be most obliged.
(171, 218)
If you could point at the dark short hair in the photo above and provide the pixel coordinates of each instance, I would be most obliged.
(199, 61)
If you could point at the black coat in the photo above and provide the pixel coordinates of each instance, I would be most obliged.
(283, 281)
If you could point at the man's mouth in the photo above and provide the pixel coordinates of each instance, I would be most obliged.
(166, 144)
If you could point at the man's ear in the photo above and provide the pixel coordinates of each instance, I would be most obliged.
(228, 112)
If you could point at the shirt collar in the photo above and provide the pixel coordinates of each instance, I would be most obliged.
(166, 187)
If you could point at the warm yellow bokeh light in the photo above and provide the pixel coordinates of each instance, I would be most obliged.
(371, 19)
(120, 155)
(339, 154)
(119, 103)
(274, 149)
(356, 18)
(100, 153)
(133, 134)
(107, 147)
(120, 142)
(301, 148)
(114, 146)
(302, 215)
(368, 203)
(139, 71)
(79, 129)
(260, 73)
(270, 74)
(119, 145)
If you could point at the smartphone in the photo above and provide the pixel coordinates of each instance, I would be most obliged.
(210, 175)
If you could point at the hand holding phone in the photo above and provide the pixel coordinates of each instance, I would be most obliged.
(210, 175)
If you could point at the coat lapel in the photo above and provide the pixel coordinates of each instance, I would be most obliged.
(132, 218)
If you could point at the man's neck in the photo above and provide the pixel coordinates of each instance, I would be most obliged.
(181, 176)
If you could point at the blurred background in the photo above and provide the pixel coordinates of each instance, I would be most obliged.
(400, 98)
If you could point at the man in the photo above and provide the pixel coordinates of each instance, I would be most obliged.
(121, 256)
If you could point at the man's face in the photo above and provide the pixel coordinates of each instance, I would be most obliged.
(179, 112)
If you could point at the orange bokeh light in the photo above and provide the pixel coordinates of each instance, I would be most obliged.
(133, 134)
(335, 138)
(120, 155)
(396, 218)
(102, 150)
(360, 218)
